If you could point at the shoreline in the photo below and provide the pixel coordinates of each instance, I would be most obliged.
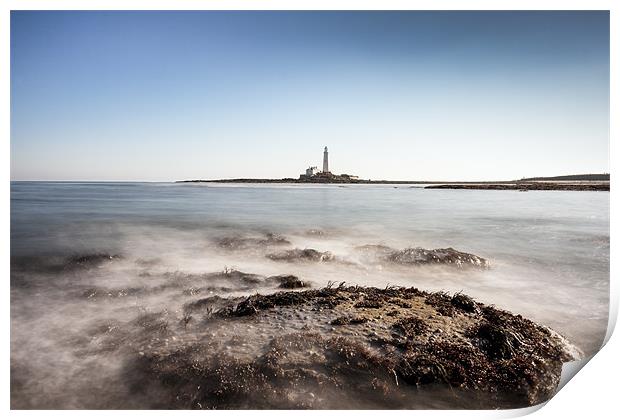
(484, 185)
(530, 186)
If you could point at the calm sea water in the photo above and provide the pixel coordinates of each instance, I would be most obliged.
(549, 255)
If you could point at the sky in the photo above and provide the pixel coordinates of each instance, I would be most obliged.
(171, 95)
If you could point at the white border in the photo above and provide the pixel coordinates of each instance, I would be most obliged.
(594, 393)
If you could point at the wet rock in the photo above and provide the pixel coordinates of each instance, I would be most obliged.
(238, 276)
(240, 242)
(450, 256)
(213, 302)
(245, 308)
(261, 302)
(411, 326)
(304, 255)
(346, 320)
(482, 358)
(369, 302)
(495, 341)
(421, 256)
(463, 302)
(441, 302)
(401, 303)
(287, 282)
(222, 281)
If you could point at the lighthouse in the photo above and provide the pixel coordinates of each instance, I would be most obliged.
(325, 161)
(325, 176)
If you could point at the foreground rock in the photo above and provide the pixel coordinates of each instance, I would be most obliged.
(421, 256)
(346, 347)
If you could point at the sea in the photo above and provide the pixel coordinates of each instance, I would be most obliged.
(548, 253)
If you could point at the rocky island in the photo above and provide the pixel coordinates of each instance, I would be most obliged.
(586, 182)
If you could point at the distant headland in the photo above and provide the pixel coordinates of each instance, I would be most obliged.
(583, 182)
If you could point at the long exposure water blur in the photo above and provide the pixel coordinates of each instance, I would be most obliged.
(548, 252)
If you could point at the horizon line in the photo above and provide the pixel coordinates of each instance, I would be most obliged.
(279, 179)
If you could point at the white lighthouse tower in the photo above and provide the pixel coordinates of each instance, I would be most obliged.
(325, 161)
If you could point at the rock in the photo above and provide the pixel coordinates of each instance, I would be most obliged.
(345, 320)
(495, 341)
(469, 358)
(308, 254)
(526, 186)
(463, 302)
(240, 242)
(411, 326)
(238, 276)
(226, 280)
(212, 302)
(421, 256)
(449, 256)
(287, 282)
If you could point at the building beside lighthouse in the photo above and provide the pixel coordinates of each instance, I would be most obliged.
(325, 176)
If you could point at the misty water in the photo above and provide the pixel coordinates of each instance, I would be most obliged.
(548, 251)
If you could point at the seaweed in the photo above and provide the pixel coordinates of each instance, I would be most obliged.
(442, 303)
(369, 303)
(463, 302)
(487, 359)
(495, 341)
(252, 304)
(346, 320)
(411, 326)
(399, 302)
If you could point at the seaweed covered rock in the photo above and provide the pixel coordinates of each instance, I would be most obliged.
(288, 282)
(345, 346)
(420, 256)
(241, 242)
(416, 256)
(303, 255)
(227, 280)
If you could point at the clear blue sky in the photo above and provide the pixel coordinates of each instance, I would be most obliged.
(394, 95)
